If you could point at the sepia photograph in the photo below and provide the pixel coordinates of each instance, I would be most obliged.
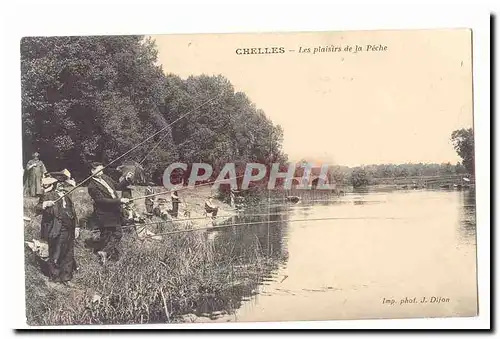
(248, 177)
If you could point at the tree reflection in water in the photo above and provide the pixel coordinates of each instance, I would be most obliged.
(249, 255)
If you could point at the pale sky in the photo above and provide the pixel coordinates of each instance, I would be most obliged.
(345, 108)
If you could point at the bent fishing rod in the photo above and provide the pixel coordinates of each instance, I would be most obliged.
(136, 146)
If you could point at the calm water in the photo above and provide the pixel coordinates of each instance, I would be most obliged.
(394, 246)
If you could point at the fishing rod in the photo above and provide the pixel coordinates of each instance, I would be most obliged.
(162, 138)
(241, 216)
(195, 218)
(260, 223)
(135, 147)
(182, 188)
(152, 149)
(202, 218)
(302, 201)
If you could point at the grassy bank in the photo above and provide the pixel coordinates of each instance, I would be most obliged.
(154, 281)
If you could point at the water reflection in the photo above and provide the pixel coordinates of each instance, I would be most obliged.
(467, 211)
(259, 256)
(254, 251)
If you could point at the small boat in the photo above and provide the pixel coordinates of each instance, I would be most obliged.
(293, 199)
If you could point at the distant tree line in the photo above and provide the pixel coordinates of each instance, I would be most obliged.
(462, 140)
(367, 175)
(94, 97)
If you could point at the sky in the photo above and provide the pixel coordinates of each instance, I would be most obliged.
(394, 106)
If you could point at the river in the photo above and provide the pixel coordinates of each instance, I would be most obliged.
(382, 255)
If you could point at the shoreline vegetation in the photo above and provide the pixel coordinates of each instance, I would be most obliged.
(154, 281)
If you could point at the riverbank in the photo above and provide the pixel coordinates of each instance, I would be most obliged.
(154, 280)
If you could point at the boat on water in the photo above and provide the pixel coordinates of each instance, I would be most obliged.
(293, 199)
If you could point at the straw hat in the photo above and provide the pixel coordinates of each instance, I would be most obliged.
(66, 172)
(47, 181)
(61, 176)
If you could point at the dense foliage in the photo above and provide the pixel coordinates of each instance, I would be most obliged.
(359, 177)
(98, 96)
(463, 141)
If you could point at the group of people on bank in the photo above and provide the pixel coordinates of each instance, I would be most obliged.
(111, 210)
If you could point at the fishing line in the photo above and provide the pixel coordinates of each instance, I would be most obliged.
(285, 203)
(263, 222)
(135, 147)
(162, 138)
(195, 218)
(183, 188)
(142, 225)
(154, 147)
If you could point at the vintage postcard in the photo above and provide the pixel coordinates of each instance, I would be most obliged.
(248, 177)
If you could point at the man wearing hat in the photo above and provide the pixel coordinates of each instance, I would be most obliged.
(35, 171)
(161, 210)
(59, 222)
(107, 209)
(210, 207)
(149, 200)
(175, 204)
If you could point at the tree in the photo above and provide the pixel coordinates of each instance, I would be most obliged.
(463, 142)
(460, 169)
(89, 96)
(359, 177)
(337, 175)
(99, 96)
(446, 169)
(230, 128)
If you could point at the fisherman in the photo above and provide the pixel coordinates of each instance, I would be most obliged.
(35, 171)
(107, 210)
(175, 204)
(161, 210)
(149, 201)
(236, 199)
(211, 208)
(232, 194)
(59, 222)
(129, 213)
(127, 189)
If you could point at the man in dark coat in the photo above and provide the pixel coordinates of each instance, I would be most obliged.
(59, 221)
(107, 210)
